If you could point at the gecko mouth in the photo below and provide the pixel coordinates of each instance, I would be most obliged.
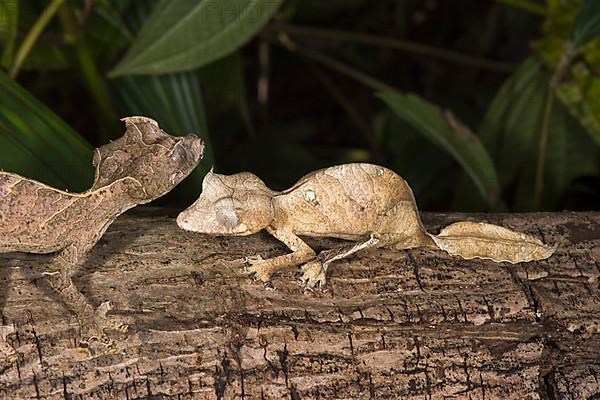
(183, 222)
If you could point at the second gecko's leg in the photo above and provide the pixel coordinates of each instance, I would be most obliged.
(301, 253)
(6, 350)
(314, 272)
(92, 322)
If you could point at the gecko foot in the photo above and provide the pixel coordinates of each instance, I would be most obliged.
(261, 269)
(6, 350)
(313, 274)
(94, 330)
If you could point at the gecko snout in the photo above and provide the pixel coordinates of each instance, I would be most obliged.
(183, 221)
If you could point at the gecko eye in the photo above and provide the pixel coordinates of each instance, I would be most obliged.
(179, 156)
(227, 218)
(96, 158)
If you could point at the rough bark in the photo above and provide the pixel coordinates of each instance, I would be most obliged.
(416, 324)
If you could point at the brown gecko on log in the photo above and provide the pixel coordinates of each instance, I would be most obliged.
(368, 204)
(142, 165)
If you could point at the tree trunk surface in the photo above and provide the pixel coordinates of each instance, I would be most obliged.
(417, 324)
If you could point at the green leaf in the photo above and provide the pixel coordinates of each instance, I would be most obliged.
(8, 29)
(175, 101)
(587, 23)
(570, 154)
(182, 35)
(43, 56)
(443, 129)
(578, 89)
(509, 130)
(511, 123)
(37, 144)
(410, 154)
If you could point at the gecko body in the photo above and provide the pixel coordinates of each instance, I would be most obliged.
(367, 204)
(142, 165)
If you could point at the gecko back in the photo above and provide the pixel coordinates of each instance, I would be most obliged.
(351, 201)
(25, 206)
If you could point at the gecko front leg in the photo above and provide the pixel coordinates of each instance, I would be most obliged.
(301, 253)
(314, 272)
(7, 352)
(92, 322)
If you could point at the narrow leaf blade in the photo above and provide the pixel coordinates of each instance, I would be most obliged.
(36, 143)
(587, 23)
(443, 129)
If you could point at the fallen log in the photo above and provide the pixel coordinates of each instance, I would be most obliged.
(416, 324)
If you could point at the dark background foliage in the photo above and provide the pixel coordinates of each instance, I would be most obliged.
(480, 105)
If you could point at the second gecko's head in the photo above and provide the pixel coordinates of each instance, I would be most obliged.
(237, 205)
(149, 159)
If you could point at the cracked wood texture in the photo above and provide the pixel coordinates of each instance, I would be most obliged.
(416, 324)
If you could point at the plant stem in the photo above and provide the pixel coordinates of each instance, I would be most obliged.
(345, 69)
(561, 70)
(541, 159)
(525, 5)
(397, 44)
(33, 35)
(96, 84)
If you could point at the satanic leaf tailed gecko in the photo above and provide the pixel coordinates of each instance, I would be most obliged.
(142, 165)
(364, 203)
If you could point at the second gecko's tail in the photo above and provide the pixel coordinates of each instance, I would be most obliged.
(481, 240)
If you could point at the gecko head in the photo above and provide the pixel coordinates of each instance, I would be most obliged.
(149, 156)
(236, 205)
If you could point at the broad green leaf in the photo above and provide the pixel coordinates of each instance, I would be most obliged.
(579, 88)
(37, 144)
(175, 101)
(511, 123)
(182, 35)
(9, 19)
(511, 128)
(410, 155)
(570, 154)
(580, 94)
(587, 23)
(443, 129)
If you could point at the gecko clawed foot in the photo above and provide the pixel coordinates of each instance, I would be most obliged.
(106, 323)
(260, 268)
(314, 274)
(6, 350)
(94, 331)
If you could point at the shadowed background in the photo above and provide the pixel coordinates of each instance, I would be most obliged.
(481, 106)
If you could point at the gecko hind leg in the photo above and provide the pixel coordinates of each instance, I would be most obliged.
(314, 272)
(92, 321)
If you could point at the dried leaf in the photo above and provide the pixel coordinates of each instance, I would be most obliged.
(480, 240)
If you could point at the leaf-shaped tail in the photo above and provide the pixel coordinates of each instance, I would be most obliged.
(492, 242)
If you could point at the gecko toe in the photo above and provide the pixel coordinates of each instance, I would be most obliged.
(260, 273)
(313, 275)
(258, 267)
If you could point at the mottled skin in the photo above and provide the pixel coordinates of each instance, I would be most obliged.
(368, 204)
(352, 202)
(142, 165)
